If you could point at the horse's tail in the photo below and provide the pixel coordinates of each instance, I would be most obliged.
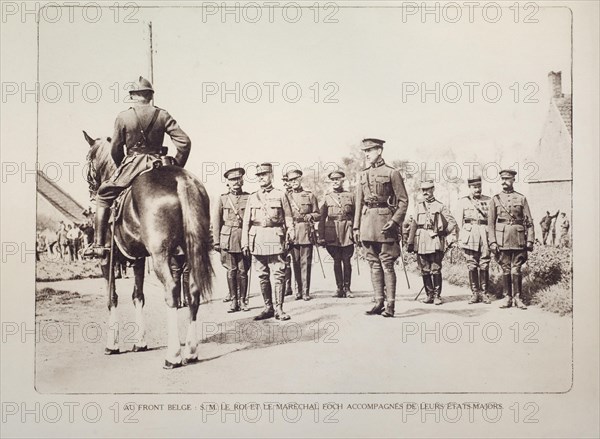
(195, 209)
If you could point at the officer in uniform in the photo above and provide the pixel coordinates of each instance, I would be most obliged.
(335, 231)
(141, 130)
(381, 203)
(288, 258)
(305, 210)
(511, 236)
(433, 222)
(266, 230)
(227, 226)
(474, 240)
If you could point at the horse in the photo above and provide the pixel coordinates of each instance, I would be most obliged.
(166, 211)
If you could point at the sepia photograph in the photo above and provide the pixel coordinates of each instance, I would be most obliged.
(318, 219)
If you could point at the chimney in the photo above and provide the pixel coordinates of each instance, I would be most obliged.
(555, 83)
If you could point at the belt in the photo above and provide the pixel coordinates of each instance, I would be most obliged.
(425, 227)
(265, 224)
(475, 221)
(299, 220)
(339, 218)
(233, 224)
(143, 150)
(510, 221)
(376, 205)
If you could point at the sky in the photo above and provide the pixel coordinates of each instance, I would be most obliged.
(366, 63)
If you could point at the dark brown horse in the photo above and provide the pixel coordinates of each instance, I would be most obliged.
(166, 212)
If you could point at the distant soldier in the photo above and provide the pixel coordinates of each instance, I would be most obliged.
(511, 235)
(428, 239)
(335, 232)
(267, 227)
(564, 230)
(381, 203)
(227, 227)
(474, 241)
(288, 258)
(546, 225)
(74, 237)
(305, 210)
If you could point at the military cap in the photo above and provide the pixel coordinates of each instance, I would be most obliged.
(293, 174)
(336, 175)
(264, 168)
(234, 173)
(371, 143)
(507, 173)
(142, 85)
(427, 184)
(474, 180)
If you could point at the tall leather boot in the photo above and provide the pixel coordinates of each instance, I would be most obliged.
(288, 277)
(233, 292)
(484, 281)
(428, 283)
(99, 249)
(378, 283)
(437, 288)
(347, 275)
(389, 275)
(279, 295)
(517, 283)
(243, 289)
(508, 293)
(474, 283)
(268, 311)
(339, 278)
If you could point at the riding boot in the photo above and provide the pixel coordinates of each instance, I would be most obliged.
(517, 283)
(484, 279)
(288, 278)
(474, 283)
(233, 293)
(268, 311)
(339, 278)
(389, 275)
(243, 290)
(428, 283)
(99, 249)
(347, 270)
(508, 293)
(279, 295)
(437, 288)
(378, 284)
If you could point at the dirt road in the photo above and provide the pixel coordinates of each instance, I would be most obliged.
(328, 346)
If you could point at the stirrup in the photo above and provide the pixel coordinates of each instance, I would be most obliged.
(96, 251)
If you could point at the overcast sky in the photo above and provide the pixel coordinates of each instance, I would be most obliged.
(368, 56)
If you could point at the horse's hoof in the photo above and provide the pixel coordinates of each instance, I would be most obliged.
(108, 351)
(187, 361)
(168, 365)
(139, 348)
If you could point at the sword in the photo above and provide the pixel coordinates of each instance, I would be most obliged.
(314, 242)
(357, 261)
(404, 264)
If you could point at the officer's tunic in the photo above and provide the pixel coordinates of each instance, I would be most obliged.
(380, 197)
(510, 226)
(304, 206)
(473, 232)
(133, 154)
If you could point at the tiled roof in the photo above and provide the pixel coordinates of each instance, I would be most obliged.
(564, 106)
(61, 200)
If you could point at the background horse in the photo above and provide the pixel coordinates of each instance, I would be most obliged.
(167, 210)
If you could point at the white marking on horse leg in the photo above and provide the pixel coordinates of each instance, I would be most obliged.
(141, 324)
(173, 345)
(191, 342)
(112, 333)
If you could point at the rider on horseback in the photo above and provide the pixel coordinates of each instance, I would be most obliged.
(141, 130)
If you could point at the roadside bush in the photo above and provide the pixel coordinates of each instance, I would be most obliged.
(555, 298)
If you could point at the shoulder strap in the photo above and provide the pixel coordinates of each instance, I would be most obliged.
(477, 207)
(293, 203)
(150, 125)
(497, 198)
(235, 210)
(334, 200)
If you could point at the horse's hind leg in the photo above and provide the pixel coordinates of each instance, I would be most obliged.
(138, 302)
(112, 333)
(191, 340)
(163, 272)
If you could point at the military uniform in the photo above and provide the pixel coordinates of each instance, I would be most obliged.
(305, 211)
(432, 223)
(288, 259)
(267, 218)
(510, 228)
(474, 242)
(335, 231)
(140, 130)
(381, 200)
(227, 226)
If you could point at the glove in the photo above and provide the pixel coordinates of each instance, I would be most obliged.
(308, 218)
(388, 226)
(530, 246)
(410, 248)
(357, 237)
(246, 252)
(291, 235)
(494, 247)
(217, 247)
